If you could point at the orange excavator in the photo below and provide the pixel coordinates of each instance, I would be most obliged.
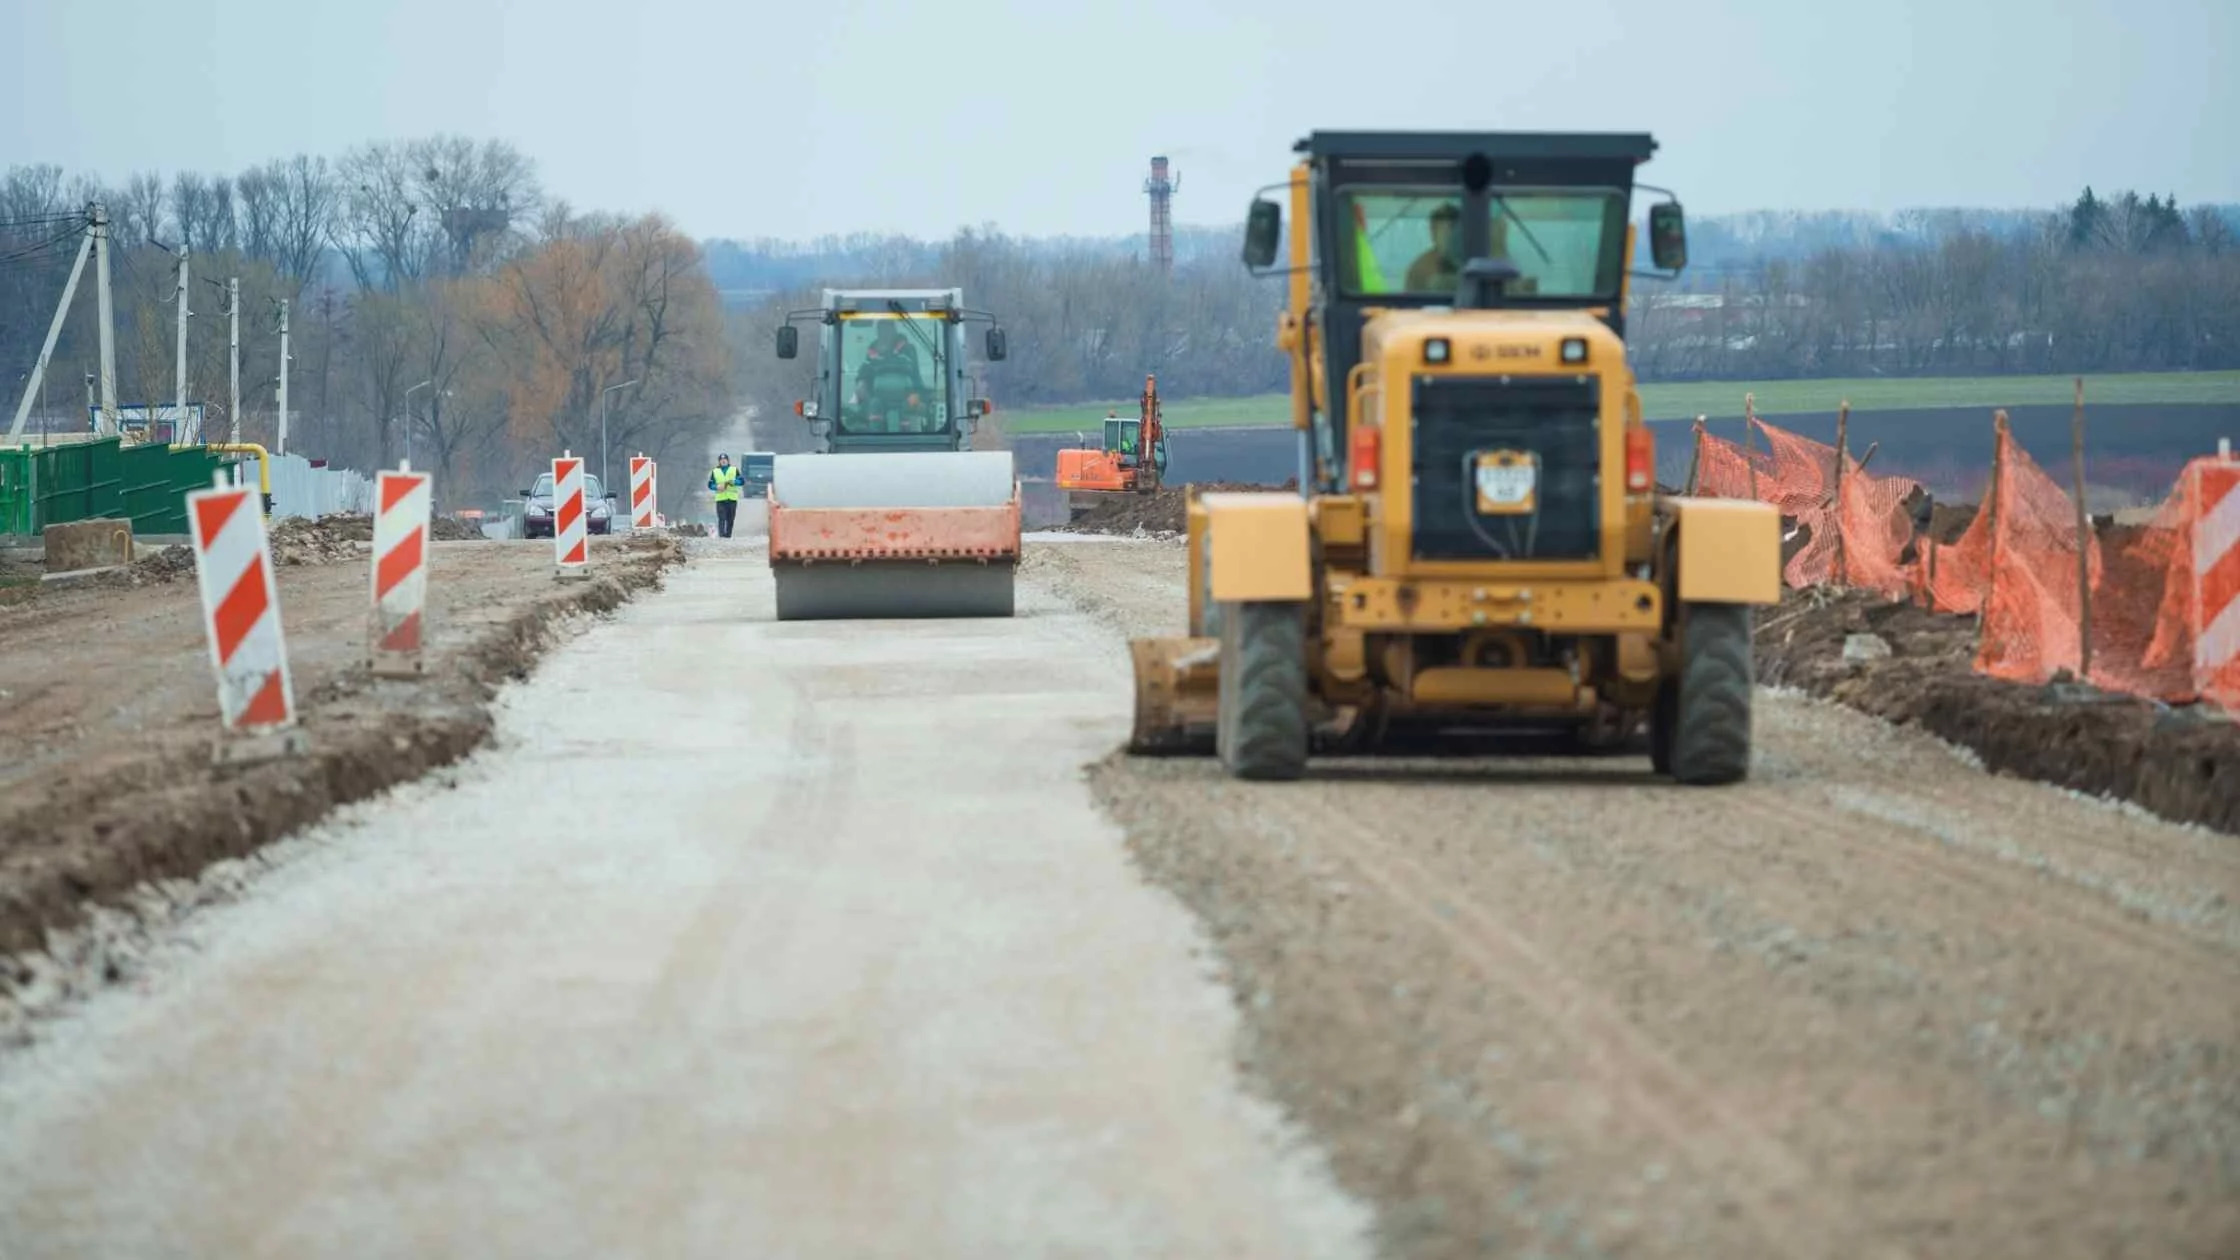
(1132, 459)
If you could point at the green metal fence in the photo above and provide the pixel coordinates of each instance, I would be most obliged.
(51, 485)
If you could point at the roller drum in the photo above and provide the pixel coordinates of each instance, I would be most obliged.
(864, 551)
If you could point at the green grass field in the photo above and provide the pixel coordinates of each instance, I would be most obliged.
(1720, 398)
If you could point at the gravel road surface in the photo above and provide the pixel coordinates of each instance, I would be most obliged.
(1873, 1003)
(744, 939)
(808, 940)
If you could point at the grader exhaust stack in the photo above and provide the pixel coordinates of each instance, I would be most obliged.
(909, 521)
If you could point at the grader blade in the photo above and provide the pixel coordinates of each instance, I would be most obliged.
(1177, 695)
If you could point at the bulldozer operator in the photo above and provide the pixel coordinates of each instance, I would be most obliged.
(891, 385)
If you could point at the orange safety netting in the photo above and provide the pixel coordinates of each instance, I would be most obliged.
(1866, 538)
(2015, 566)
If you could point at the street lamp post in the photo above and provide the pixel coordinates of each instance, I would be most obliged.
(604, 483)
(408, 419)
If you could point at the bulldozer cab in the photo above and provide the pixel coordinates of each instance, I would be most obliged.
(892, 370)
(1430, 221)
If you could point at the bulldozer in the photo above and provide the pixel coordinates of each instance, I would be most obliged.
(1479, 545)
(893, 514)
(1132, 458)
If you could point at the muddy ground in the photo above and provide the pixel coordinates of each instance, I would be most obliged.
(1873, 1002)
(108, 712)
(1162, 511)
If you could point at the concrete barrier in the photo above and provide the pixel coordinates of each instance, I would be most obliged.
(93, 544)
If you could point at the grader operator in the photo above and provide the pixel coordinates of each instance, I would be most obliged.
(1478, 540)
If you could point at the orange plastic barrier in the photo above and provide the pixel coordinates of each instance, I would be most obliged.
(2164, 596)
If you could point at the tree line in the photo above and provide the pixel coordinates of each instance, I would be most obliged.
(2127, 282)
(439, 301)
(2114, 284)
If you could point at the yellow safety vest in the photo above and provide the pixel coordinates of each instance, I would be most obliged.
(1368, 272)
(727, 484)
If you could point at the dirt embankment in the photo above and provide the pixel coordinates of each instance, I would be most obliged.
(1163, 511)
(2181, 763)
(108, 714)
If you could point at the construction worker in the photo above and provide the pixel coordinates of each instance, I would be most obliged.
(724, 480)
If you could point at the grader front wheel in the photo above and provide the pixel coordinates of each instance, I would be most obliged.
(1701, 727)
(1261, 730)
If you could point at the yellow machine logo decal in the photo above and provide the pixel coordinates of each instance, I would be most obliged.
(1508, 483)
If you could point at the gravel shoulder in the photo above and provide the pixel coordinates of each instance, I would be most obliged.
(108, 714)
(1875, 1002)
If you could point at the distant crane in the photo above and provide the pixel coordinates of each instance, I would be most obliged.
(1161, 189)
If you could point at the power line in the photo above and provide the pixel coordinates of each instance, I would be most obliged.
(23, 252)
(40, 221)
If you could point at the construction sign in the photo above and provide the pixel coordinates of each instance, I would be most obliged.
(240, 608)
(403, 502)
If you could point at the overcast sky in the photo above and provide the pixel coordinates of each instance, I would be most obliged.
(751, 119)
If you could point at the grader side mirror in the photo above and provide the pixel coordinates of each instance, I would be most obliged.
(1668, 237)
(789, 341)
(996, 346)
(1263, 228)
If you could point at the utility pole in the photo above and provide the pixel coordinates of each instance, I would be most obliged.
(280, 446)
(233, 358)
(605, 484)
(38, 381)
(179, 354)
(108, 422)
(408, 419)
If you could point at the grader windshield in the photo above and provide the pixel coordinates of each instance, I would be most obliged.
(894, 372)
(1565, 242)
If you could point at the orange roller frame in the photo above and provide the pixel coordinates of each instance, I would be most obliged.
(892, 533)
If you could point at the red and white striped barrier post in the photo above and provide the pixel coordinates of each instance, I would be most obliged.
(241, 619)
(403, 502)
(2216, 580)
(641, 492)
(571, 541)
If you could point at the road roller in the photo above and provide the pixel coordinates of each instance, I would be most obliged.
(892, 513)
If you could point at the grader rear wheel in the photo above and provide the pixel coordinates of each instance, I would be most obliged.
(1261, 730)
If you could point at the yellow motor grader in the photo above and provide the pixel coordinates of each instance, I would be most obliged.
(1478, 542)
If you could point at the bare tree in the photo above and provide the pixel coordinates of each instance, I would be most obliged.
(381, 217)
(140, 210)
(477, 195)
(258, 195)
(310, 201)
(202, 207)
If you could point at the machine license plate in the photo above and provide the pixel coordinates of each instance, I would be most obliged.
(1508, 483)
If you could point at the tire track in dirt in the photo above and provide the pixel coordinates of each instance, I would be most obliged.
(1914, 848)
(1775, 1188)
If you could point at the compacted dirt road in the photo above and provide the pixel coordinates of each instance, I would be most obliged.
(1874, 1002)
(745, 939)
(809, 940)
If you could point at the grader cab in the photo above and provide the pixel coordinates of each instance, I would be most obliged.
(1478, 541)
